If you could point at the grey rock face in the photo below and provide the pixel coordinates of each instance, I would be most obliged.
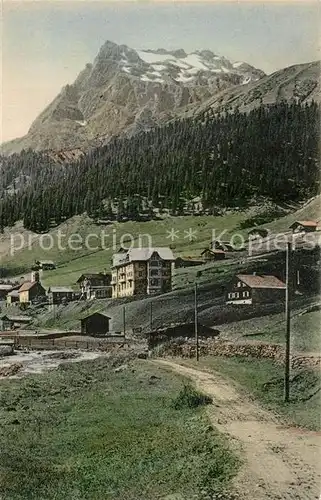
(126, 90)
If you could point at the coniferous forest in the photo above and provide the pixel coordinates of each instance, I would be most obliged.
(224, 159)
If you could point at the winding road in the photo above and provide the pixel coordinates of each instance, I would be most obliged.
(280, 462)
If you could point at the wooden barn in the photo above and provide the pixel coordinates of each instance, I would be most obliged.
(96, 324)
(304, 226)
(215, 254)
(60, 294)
(8, 322)
(255, 289)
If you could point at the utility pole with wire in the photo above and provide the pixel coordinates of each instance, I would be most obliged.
(196, 322)
(287, 321)
(124, 321)
(151, 317)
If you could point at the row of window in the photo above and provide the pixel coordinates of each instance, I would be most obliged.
(237, 295)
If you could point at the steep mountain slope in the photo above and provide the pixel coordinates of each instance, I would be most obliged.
(129, 90)
(300, 83)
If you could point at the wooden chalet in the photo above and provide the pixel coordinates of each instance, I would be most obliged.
(210, 255)
(255, 289)
(95, 286)
(304, 226)
(60, 294)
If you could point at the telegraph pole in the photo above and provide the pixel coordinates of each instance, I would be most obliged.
(287, 321)
(196, 322)
(151, 317)
(124, 320)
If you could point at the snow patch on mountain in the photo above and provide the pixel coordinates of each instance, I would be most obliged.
(158, 65)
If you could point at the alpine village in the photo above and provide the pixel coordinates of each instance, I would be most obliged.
(160, 234)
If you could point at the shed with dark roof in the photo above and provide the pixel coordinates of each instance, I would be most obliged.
(95, 324)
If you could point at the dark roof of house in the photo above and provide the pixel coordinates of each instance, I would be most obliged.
(261, 281)
(305, 223)
(95, 314)
(213, 251)
(93, 276)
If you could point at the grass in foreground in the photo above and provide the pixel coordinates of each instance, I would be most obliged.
(88, 432)
(263, 379)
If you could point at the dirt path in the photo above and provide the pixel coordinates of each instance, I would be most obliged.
(279, 462)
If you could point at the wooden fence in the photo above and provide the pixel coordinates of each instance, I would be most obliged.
(57, 343)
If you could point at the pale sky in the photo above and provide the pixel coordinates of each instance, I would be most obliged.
(46, 44)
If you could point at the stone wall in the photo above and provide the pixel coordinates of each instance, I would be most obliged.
(276, 352)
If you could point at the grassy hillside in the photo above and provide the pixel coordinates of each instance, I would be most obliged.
(93, 433)
(73, 262)
(305, 330)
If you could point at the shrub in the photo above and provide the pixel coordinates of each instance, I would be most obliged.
(189, 397)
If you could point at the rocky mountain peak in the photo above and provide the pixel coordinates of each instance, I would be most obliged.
(126, 90)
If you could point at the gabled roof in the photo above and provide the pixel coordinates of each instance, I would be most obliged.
(261, 281)
(13, 293)
(213, 251)
(164, 253)
(96, 313)
(305, 223)
(27, 286)
(142, 254)
(93, 276)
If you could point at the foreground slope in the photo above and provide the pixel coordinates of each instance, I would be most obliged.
(91, 431)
